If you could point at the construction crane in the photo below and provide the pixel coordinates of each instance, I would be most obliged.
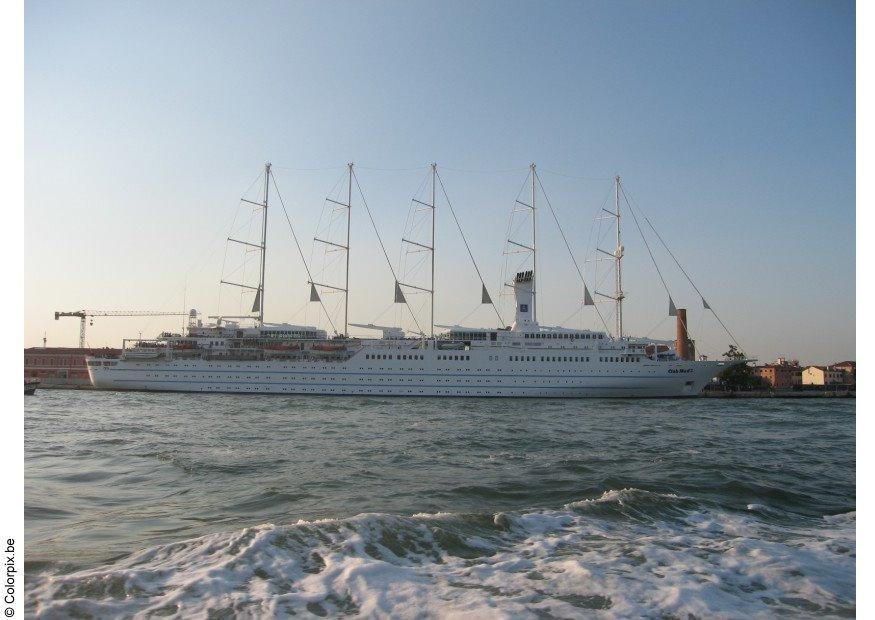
(87, 315)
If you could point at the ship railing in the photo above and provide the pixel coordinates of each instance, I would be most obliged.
(142, 348)
(142, 343)
(406, 344)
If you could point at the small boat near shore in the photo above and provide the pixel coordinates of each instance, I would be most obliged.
(30, 386)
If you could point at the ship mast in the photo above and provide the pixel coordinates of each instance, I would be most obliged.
(534, 250)
(618, 258)
(314, 294)
(428, 248)
(525, 207)
(258, 302)
(433, 205)
(346, 281)
(260, 291)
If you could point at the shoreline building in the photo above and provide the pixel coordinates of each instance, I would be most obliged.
(850, 370)
(61, 366)
(823, 375)
(781, 373)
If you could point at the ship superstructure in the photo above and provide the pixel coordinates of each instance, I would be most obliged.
(526, 359)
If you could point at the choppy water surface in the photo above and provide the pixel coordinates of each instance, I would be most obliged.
(245, 505)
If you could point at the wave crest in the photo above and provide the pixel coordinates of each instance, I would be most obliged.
(630, 551)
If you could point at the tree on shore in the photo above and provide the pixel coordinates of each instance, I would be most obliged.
(734, 353)
(742, 377)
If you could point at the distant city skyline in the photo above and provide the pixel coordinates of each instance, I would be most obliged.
(144, 125)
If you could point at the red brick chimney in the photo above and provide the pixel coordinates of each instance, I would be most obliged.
(682, 344)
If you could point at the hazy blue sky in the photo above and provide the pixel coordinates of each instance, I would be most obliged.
(732, 125)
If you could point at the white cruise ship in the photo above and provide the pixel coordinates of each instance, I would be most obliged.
(245, 354)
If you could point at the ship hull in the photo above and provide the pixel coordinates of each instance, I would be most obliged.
(416, 378)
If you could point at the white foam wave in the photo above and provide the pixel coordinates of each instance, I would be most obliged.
(622, 496)
(564, 562)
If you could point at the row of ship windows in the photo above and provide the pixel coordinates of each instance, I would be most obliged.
(402, 379)
(492, 358)
(567, 336)
(533, 358)
(362, 390)
(547, 358)
(593, 372)
(512, 358)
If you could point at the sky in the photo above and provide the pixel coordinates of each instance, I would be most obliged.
(731, 125)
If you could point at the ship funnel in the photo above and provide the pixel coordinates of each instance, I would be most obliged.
(522, 287)
(683, 346)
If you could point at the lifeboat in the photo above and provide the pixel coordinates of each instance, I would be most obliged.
(282, 346)
(328, 347)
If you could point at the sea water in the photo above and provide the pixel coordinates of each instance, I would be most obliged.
(209, 505)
